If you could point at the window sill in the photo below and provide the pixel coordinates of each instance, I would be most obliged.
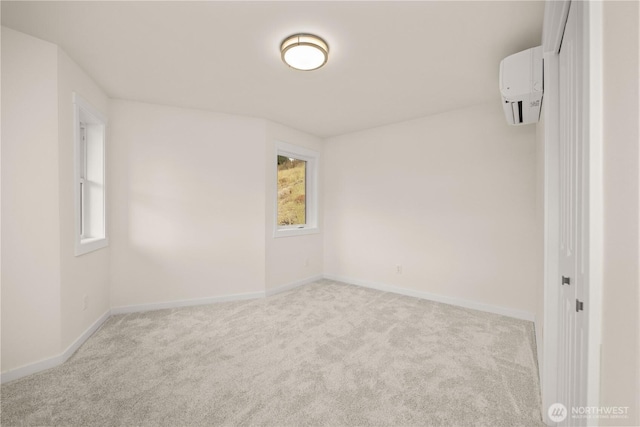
(290, 232)
(89, 245)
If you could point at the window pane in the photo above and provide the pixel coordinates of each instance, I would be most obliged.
(292, 206)
(89, 173)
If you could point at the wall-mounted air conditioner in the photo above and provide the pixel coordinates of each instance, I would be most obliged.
(521, 86)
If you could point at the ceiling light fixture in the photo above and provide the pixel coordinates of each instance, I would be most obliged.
(304, 52)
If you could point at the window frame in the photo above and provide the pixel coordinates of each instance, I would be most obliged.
(82, 108)
(312, 160)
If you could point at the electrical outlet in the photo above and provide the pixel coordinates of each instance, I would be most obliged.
(398, 269)
(306, 262)
(85, 302)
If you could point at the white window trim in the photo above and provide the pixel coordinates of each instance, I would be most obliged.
(313, 162)
(86, 245)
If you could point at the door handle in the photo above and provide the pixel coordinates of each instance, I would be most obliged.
(566, 280)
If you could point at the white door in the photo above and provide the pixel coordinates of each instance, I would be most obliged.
(574, 238)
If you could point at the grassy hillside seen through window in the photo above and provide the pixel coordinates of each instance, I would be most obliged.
(291, 191)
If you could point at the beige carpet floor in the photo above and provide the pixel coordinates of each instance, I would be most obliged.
(322, 354)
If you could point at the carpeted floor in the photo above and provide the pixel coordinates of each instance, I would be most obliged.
(322, 354)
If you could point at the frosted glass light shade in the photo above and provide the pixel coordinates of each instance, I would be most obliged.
(304, 52)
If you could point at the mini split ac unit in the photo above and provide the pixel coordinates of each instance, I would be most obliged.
(521, 86)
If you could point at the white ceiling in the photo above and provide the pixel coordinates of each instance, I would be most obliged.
(388, 61)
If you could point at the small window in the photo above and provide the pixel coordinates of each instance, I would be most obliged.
(292, 190)
(296, 204)
(89, 177)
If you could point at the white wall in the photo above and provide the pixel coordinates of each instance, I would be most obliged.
(30, 203)
(450, 198)
(87, 274)
(296, 258)
(191, 198)
(187, 204)
(620, 327)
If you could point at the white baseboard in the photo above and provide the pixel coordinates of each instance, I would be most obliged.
(59, 359)
(32, 368)
(292, 285)
(138, 308)
(74, 346)
(538, 332)
(54, 361)
(518, 314)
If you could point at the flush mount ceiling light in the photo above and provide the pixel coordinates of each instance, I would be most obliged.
(304, 52)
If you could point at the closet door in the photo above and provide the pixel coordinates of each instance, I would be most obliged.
(574, 238)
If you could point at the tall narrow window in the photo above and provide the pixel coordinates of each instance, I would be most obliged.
(89, 177)
(296, 204)
(292, 190)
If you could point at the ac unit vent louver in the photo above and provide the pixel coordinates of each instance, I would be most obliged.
(521, 86)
